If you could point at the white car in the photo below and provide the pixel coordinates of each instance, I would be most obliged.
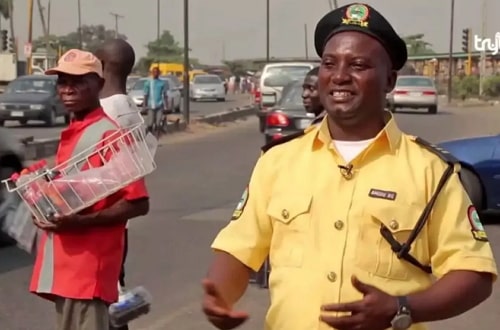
(173, 94)
(207, 87)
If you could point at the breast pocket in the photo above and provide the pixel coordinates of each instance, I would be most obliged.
(374, 253)
(291, 219)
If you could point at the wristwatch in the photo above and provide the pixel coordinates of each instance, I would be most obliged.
(402, 320)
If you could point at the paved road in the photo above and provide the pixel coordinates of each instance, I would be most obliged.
(37, 130)
(200, 178)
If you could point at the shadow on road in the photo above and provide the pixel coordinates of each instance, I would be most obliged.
(14, 258)
(36, 125)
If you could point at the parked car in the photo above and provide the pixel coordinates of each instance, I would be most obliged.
(289, 115)
(207, 87)
(480, 159)
(32, 97)
(11, 161)
(413, 92)
(173, 94)
(131, 80)
(176, 82)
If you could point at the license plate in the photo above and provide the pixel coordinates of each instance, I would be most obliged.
(303, 123)
(268, 99)
(415, 94)
(17, 114)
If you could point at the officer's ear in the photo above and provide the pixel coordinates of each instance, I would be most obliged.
(391, 80)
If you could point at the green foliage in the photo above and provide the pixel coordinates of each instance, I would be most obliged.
(468, 87)
(417, 45)
(92, 37)
(492, 86)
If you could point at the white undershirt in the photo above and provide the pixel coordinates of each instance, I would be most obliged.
(351, 149)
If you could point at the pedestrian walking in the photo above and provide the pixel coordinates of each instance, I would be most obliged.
(118, 57)
(310, 94)
(366, 227)
(154, 99)
(79, 258)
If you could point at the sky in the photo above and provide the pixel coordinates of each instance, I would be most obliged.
(236, 29)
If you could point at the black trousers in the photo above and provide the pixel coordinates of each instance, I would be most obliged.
(122, 275)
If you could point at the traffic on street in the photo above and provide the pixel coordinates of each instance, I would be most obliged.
(38, 130)
(146, 189)
(185, 216)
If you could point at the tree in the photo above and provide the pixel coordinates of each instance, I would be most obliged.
(92, 35)
(165, 49)
(417, 45)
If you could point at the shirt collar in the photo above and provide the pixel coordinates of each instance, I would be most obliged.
(90, 117)
(390, 134)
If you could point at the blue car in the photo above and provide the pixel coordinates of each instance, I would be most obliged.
(480, 159)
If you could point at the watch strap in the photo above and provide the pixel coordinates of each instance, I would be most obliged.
(403, 305)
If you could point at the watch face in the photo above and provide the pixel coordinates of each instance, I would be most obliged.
(401, 322)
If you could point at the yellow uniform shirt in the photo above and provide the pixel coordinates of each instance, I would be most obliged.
(319, 228)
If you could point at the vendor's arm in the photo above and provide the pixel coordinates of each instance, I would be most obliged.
(462, 259)
(133, 204)
(243, 245)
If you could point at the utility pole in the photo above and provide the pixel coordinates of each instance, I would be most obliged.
(186, 63)
(482, 68)
(450, 55)
(48, 16)
(116, 17)
(223, 50)
(80, 32)
(268, 38)
(158, 20)
(12, 33)
(306, 42)
(29, 60)
(45, 33)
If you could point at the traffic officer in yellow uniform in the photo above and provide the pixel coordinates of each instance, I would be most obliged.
(358, 219)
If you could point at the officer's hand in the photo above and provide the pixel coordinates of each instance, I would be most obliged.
(218, 312)
(374, 312)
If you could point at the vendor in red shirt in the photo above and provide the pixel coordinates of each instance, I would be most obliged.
(79, 258)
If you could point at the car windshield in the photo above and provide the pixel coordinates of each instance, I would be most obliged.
(291, 97)
(280, 76)
(139, 85)
(414, 82)
(31, 86)
(207, 80)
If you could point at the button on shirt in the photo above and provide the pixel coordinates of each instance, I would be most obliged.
(319, 228)
(84, 263)
(155, 89)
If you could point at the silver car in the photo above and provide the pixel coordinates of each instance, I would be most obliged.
(173, 93)
(413, 92)
(207, 87)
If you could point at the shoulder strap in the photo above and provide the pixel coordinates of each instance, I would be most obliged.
(282, 140)
(402, 250)
(440, 152)
(90, 137)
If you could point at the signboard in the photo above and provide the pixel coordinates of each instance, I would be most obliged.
(27, 49)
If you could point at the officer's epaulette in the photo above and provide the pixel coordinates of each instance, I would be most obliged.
(440, 152)
(281, 140)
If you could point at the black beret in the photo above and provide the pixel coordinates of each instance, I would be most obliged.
(362, 18)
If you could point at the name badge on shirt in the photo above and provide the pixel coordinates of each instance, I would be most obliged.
(382, 194)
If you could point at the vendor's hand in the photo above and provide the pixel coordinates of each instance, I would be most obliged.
(217, 310)
(374, 312)
(43, 225)
(66, 221)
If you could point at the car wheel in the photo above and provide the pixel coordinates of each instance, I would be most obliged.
(392, 108)
(67, 119)
(473, 187)
(23, 121)
(433, 110)
(51, 119)
(222, 99)
(2, 122)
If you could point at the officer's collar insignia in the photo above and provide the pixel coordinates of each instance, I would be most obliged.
(356, 15)
(382, 194)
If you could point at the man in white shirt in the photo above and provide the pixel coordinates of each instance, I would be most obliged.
(118, 59)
